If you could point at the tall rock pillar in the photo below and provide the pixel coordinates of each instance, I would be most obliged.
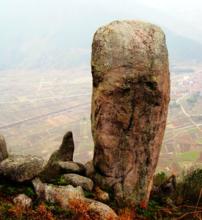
(129, 107)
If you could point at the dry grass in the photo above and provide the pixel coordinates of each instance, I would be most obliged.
(41, 213)
(44, 213)
(127, 214)
(81, 209)
(16, 211)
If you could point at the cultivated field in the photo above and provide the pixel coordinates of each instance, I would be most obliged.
(38, 107)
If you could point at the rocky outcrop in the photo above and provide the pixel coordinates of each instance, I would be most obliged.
(21, 168)
(3, 148)
(69, 197)
(77, 180)
(129, 107)
(129, 110)
(65, 153)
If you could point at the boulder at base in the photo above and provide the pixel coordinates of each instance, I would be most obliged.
(78, 180)
(57, 194)
(71, 167)
(73, 197)
(21, 168)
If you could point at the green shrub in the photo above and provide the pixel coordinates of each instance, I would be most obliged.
(160, 178)
(190, 186)
(29, 191)
(151, 211)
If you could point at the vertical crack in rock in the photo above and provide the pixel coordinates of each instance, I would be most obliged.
(131, 89)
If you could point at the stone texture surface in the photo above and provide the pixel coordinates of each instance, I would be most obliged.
(129, 106)
(101, 195)
(65, 153)
(100, 210)
(57, 194)
(66, 195)
(89, 169)
(71, 167)
(21, 168)
(78, 180)
(23, 200)
(3, 148)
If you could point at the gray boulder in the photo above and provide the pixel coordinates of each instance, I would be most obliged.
(57, 194)
(21, 168)
(77, 180)
(71, 167)
(3, 148)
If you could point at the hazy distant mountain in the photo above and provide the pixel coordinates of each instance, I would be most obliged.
(182, 48)
(51, 34)
(55, 52)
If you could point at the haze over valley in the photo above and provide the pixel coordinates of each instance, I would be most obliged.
(45, 76)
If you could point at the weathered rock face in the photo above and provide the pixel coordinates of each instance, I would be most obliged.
(129, 106)
(3, 148)
(21, 168)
